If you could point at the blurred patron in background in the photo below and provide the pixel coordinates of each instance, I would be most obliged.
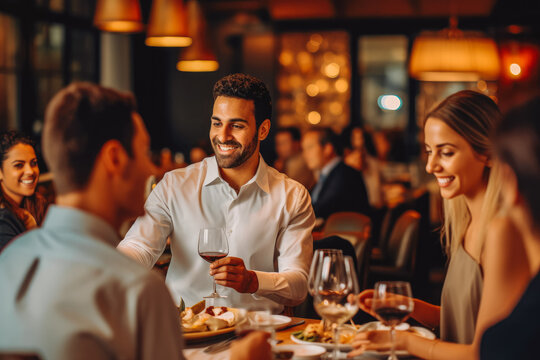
(290, 160)
(267, 217)
(359, 158)
(517, 142)
(488, 268)
(339, 187)
(66, 291)
(21, 208)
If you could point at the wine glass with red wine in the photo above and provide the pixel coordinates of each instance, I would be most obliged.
(213, 246)
(393, 303)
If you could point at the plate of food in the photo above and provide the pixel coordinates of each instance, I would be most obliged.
(315, 334)
(199, 321)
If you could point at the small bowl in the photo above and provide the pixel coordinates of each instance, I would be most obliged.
(301, 352)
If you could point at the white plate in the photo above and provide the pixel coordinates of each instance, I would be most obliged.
(377, 325)
(280, 321)
(302, 352)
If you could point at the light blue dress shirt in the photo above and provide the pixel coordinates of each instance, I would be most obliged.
(67, 293)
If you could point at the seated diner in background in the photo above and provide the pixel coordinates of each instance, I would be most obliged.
(21, 208)
(488, 268)
(267, 217)
(339, 186)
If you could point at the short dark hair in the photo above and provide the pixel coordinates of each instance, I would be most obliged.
(328, 136)
(79, 120)
(517, 143)
(293, 131)
(246, 87)
(9, 139)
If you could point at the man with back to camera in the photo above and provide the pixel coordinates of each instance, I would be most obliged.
(67, 293)
(267, 217)
(290, 160)
(339, 187)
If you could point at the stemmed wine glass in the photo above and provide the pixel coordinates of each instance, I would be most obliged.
(392, 303)
(317, 255)
(213, 246)
(335, 280)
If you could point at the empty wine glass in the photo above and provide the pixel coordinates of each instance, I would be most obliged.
(213, 246)
(335, 280)
(317, 255)
(392, 303)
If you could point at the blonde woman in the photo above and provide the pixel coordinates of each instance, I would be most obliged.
(488, 269)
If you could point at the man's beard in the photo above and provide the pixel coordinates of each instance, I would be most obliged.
(234, 160)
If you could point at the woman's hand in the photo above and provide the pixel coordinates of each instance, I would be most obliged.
(364, 300)
(378, 340)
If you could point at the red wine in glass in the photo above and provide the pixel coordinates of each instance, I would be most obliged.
(211, 256)
(392, 316)
(213, 246)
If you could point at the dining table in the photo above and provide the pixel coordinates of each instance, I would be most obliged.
(195, 351)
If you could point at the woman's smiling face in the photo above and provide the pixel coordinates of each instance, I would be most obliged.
(19, 174)
(458, 169)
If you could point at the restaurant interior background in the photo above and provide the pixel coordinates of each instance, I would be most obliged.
(326, 62)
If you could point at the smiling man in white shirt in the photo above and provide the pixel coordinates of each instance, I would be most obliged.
(267, 217)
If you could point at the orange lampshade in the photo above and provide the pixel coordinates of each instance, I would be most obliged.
(122, 16)
(454, 55)
(168, 25)
(199, 57)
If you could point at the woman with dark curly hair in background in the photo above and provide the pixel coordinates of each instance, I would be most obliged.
(21, 208)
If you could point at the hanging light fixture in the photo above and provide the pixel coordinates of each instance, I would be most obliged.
(168, 25)
(122, 16)
(199, 57)
(454, 55)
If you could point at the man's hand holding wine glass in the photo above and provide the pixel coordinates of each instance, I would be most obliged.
(232, 272)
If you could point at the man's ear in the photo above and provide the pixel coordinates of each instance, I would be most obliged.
(264, 129)
(114, 157)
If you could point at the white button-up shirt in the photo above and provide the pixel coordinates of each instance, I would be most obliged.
(268, 224)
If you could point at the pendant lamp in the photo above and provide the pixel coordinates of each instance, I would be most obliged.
(454, 55)
(199, 57)
(168, 25)
(122, 16)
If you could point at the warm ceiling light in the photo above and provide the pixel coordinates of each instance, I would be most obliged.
(454, 55)
(199, 57)
(122, 16)
(168, 24)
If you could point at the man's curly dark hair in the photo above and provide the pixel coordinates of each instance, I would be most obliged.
(247, 87)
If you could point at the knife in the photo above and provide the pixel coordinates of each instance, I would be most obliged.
(220, 346)
(300, 322)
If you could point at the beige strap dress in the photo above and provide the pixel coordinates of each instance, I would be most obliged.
(460, 298)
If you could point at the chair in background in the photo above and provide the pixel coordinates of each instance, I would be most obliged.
(356, 228)
(400, 250)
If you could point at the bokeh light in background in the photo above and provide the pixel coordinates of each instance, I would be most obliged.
(389, 102)
(314, 117)
(314, 78)
(515, 69)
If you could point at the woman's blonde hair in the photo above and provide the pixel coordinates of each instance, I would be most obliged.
(474, 117)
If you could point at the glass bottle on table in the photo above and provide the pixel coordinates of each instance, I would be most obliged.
(335, 280)
(392, 303)
(213, 246)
